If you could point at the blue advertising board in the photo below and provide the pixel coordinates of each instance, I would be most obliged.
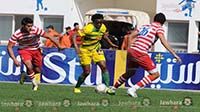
(173, 75)
(64, 68)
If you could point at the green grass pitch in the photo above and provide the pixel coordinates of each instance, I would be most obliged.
(59, 98)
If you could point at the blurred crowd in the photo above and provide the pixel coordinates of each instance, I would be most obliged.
(65, 39)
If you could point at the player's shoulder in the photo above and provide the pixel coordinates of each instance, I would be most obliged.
(89, 26)
(36, 30)
(103, 28)
(17, 33)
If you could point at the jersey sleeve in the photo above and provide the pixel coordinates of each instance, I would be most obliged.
(88, 29)
(39, 31)
(13, 39)
(15, 36)
(160, 31)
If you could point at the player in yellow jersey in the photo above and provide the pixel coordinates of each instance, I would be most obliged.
(90, 50)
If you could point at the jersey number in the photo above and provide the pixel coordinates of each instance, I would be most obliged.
(144, 31)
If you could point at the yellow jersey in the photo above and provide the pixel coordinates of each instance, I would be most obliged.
(91, 36)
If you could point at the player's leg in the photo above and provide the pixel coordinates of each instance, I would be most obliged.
(85, 60)
(130, 71)
(37, 5)
(26, 57)
(106, 77)
(148, 65)
(37, 75)
(22, 75)
(82, 77)
(99, 59)
(31, 73)
(37, 63)
(142, 83)
(147, 80)
(105, 73)
(41, 4)
(124, 77)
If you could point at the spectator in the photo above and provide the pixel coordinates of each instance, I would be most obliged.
(66, 41)
(52, 32)
(68, 29)
(76, 30)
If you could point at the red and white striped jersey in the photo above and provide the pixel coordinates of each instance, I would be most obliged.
(147, 36)
(28, 40)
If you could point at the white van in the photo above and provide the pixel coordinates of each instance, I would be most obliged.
(130, 16)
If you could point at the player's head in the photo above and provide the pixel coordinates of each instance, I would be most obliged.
(160, 17)
(27, 24)
(97, 19)
(50, 27)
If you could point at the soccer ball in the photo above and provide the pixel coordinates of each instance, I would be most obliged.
(101, 88)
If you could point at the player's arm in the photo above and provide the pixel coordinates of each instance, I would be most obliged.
(132, 36)
(105, 36)
(167, 46)
(11, 53)
(58, 35)
(124, 43)
(74, 36)
(47, 36)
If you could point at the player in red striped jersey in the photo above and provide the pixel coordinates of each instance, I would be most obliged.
(137, 54)
(28, 39)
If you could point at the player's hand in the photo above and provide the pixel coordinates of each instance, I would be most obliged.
(17, 63)
(114, 46)
(178, 59)
(106, 34)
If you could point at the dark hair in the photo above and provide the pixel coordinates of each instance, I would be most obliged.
(67, 28)
(160, 17)
(75, 24)
(50, 26)
(26, 20)
(96, 16)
